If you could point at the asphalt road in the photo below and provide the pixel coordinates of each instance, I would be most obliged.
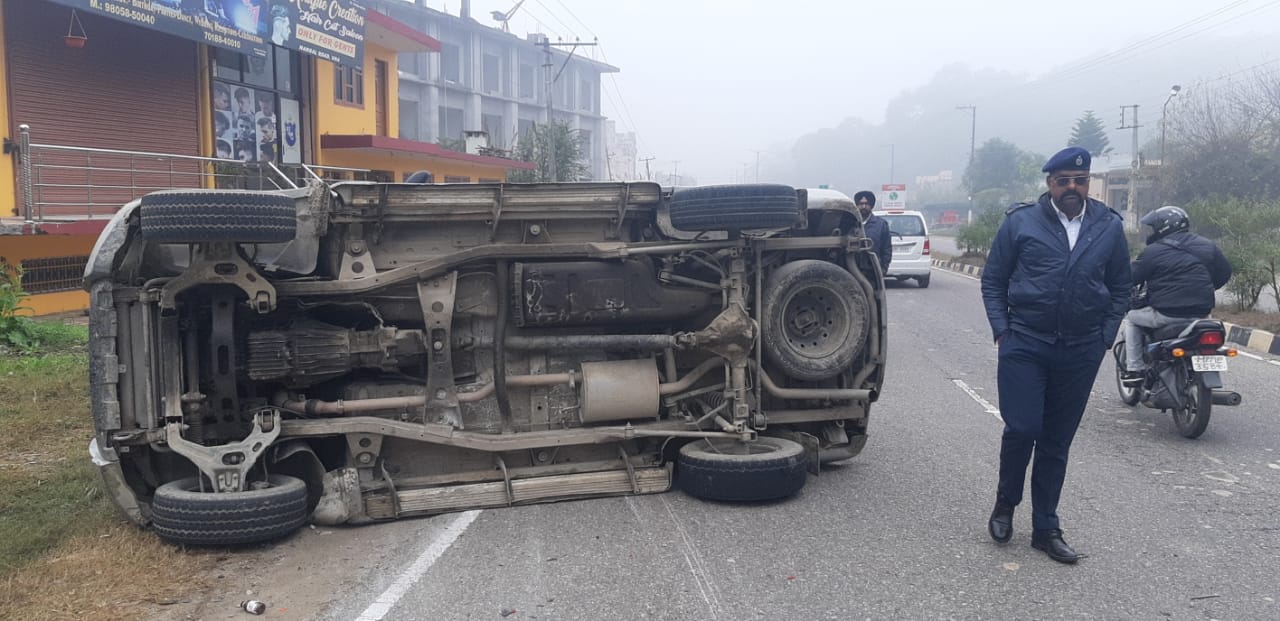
(1174, 529)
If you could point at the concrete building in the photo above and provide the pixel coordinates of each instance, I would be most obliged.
(488, 80)
(623, 155)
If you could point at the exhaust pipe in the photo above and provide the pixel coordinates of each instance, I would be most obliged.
(1226, 397)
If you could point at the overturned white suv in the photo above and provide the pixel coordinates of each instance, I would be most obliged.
(363, 351)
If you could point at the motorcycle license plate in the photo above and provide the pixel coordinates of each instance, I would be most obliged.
(1209, 363)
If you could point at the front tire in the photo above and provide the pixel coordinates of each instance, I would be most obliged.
(729, 470)
(1193, 419)
(183, 514)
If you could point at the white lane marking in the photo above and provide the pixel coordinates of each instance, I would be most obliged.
(973, 394)
(701, 577)
(1270, 361)
(946, 271)
(385, 602)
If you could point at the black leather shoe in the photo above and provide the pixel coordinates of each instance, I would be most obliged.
(1001, 523)
(1050, 542)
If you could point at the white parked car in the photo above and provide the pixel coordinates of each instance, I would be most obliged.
(911, 254)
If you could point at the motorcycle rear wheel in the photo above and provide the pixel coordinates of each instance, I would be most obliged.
(1128, 394)
(1193, 419)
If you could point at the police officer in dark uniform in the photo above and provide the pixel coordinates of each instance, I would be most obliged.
(875, 228)
(1056, 287)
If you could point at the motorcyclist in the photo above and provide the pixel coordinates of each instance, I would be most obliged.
(1181, 271)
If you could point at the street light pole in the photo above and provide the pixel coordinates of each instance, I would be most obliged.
(1164, 111)
(973, 127)
(891, 156)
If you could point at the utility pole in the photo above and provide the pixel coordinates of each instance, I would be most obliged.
(675, 171)
(973, 127)
(891, 156)
(646, 160)
(550, 85)
(1131, 223)
(757, 164)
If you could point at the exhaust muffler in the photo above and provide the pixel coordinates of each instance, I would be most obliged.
(1226, 397)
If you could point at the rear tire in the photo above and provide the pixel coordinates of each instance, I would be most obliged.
(923, 281)
(735, 207)
(1193, 419)
(194, 216)
(729, 470)
(183, 514)
(1128, 394)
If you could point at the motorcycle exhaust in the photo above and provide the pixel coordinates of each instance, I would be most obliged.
(1226, 397)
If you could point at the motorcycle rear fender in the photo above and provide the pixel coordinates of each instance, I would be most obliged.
(1211, 379)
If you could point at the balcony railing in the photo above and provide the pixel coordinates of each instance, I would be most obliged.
(66, 183)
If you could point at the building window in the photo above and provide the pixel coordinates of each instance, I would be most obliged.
(451, 62)
(566, 93)
(348, 85)
(409, 128)
(526, 81)
(256, 113)
(409, 63)
(450, 123)
(492, 73)
(584, 142)
(587, 98)
(524, 127)
(456, 179)
(492, 125)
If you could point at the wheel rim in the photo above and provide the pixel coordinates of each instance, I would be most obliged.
(734, 447)
(816, 322)
(1126, 392)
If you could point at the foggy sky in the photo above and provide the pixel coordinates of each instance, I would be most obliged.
(706, 82)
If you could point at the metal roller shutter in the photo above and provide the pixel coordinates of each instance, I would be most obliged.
(128, 89)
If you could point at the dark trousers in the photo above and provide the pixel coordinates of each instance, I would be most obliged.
(1043, 392)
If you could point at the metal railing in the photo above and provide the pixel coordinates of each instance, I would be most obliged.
(62, 182)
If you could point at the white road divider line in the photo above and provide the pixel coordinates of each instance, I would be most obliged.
(945, 271)
(1257, 357)
(973, 394)
(385, 602)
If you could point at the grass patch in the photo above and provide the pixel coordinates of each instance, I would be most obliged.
(65, 552)
(1250, 319)
(51, 489)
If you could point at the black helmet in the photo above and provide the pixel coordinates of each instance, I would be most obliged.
(1166, 221)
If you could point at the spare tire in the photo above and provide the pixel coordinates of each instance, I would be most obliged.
(815, 319)
(193, 216)
(182, 513)
(736, 207)
(722, 469)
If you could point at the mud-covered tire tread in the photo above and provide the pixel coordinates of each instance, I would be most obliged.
(193, 216)
(195, 518)
(736, 207)
(798, 275)
(702, 473)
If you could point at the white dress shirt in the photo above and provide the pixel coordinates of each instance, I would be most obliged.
(1072, 225)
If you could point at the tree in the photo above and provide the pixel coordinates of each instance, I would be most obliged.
(999, 164)
(1090, 134)
(1225, 142)
(537, 146)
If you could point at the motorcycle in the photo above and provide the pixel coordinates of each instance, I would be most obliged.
(1185, 362)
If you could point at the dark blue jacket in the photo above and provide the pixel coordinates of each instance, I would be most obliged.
(1182, 271)
(1036, 285)
(877, 230)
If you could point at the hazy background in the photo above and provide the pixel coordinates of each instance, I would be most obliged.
(823, 88)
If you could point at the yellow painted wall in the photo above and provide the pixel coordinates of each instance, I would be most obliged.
(341, 119)
(9, 170)
(15, 249)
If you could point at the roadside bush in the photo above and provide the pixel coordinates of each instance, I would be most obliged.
(16, 331)
(1248, 231)
(977, 237)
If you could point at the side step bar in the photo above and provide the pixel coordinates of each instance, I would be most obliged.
(382, 505)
